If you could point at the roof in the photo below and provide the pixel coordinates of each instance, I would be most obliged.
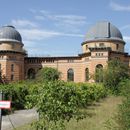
(10, 34)
(103, 30)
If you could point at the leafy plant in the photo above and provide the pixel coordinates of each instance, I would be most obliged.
(55, 103)
(114, 74)
(121, 120)
(48, 74)
(16, 92)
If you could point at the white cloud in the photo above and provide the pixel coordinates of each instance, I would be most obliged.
(125, 27)
(126, 38)
(39, 17)
(46, 26)
(23, 23)
(32, 10)
(118, 7)
(75, 20)
(39, 34)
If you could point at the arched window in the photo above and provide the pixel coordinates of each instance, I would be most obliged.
(86, 47)
(99, 73)
(31, 73)
(70, 75)
(117, 46)
(12, 67)
(0, 72)
(86, 74)
(12, 77)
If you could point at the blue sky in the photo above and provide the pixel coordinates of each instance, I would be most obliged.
(58, 27)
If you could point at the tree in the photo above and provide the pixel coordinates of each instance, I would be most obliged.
(48, 74)
(115, 72)
(56, 103)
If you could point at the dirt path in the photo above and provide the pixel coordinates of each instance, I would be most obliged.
(19, 118)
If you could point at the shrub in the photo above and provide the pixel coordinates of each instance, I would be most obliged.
(48, 74)
(55, 103)
(122, 117)
(16, 92)
(91, 92)
(114, 74)
(59, 101)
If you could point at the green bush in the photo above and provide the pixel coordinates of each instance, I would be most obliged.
(16, 92)
(91, 92)
(55, 103)
(58, 101)
(123, 116)
(114, 74)
(48, 74)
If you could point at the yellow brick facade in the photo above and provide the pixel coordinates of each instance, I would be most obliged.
(16, 65)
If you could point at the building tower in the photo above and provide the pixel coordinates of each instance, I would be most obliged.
(104, 35)
(103, 42)
(11, 54)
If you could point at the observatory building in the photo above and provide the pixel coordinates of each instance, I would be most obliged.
(103, 42)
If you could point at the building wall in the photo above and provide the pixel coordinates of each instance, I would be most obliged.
(9, 59)
(123, 57)
(90, 60)
(11, 47)
(78, 65)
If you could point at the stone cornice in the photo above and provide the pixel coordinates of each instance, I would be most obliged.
(54, 58)
(14, 52)
(85, 54)
(100, 48)
(103, 40)
(122, 53)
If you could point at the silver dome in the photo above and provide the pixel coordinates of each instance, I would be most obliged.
(103, 30)
(10, 34)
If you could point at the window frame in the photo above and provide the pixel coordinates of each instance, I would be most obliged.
(70, 74)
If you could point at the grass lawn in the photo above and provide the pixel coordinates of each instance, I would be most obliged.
(99, 113)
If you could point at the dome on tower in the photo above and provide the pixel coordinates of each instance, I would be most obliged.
(103, 31)
(10, 34)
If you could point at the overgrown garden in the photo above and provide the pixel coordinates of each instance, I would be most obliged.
(57, 101)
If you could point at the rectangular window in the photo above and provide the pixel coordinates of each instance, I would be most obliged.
(117, 46)
(86, 47)
(101, 45)
(99, 54)
(70, 61)
(12, 67)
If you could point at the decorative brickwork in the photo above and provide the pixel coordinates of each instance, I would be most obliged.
(15, 65)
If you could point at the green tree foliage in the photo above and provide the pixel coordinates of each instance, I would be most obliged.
(59, 101)
(115, 72)
(121, 120)
(123, 116)
(16, 92)
(87, 93)
(55, 103)
(48, 74)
